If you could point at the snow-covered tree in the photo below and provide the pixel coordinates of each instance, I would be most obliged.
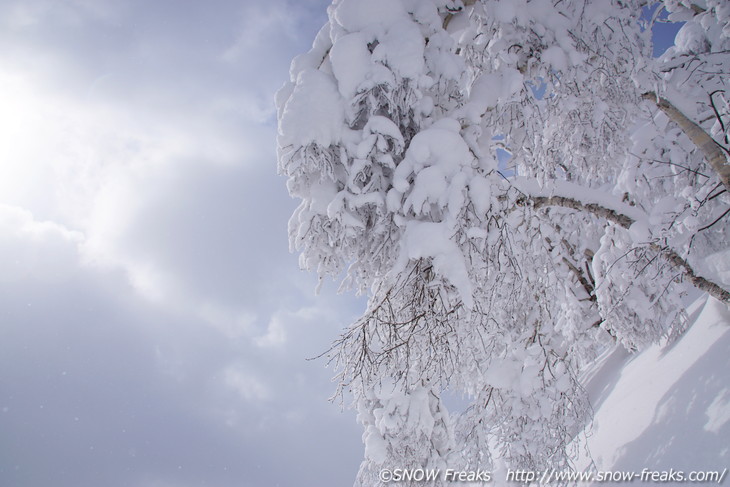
(502, 280)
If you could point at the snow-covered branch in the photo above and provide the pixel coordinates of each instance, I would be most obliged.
(713, 152)
(626, 222)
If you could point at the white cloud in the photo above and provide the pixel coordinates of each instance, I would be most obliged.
(276, 334)
(103, 166)
(291, 328)
(241, 379)
(234, 324)
(31, 248)
(262, 26)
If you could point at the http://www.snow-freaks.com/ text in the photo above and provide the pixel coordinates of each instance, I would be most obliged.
(548, 477)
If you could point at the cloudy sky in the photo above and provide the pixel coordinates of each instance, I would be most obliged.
(154, 328)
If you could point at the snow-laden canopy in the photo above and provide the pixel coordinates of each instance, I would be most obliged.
(503, 283)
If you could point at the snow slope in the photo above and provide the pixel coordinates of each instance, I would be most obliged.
(667, 407)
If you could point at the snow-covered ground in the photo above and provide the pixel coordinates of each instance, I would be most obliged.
(667, 408)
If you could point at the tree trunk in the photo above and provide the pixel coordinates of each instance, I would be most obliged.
(710, 148)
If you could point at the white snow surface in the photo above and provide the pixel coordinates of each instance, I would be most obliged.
(667, 407)
(317, 117)
(357, 60)
(356, 15)
(717, 267)
(691, 38)
(490, 88)
(351, 62)
(432, 240)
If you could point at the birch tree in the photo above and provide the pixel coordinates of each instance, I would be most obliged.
(502, 280)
